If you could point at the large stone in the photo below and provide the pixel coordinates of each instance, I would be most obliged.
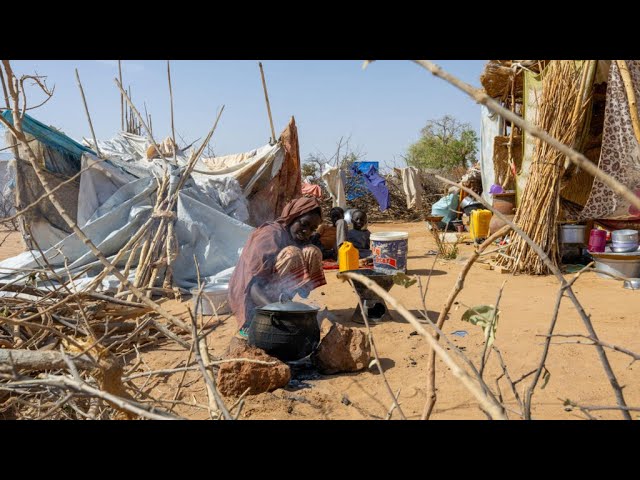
(235, 377)
(342, 349)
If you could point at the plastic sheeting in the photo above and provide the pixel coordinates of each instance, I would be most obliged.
(213, 237)
(50, 137)
(115, 197)
(356, 186)
(412, 186)
(334, 180)
(491, 125)
(376, 185)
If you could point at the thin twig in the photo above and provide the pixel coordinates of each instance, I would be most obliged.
(375, 351)
(86, 109)
(488, 404)
(485, 357)
(556, 271)
(457, 288)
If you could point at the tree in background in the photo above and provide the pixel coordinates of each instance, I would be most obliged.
(445, 144)
(309, 170)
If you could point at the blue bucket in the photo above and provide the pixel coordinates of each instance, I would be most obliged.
(390, 251)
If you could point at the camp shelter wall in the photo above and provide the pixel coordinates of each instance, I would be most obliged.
(491, 125)
(269, 176)
(620, 154)
(59, 156)
(577, 183)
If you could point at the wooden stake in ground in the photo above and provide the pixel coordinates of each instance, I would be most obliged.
(86, 109)
(266, 97)
(121, 97)
(631, 96)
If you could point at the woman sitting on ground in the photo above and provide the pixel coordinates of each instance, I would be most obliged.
(277, 262)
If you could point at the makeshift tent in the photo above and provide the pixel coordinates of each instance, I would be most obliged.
(118, 195)
(60, 156)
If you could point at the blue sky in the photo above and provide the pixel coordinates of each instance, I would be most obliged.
(381, 108)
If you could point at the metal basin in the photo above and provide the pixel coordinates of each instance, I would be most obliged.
(625, 264)
(382, 279)
(632, 284)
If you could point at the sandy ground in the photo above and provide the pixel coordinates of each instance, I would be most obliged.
(576, 372)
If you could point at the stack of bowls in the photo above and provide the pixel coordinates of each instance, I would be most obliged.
(624, 241)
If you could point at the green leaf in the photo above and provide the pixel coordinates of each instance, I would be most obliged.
(545, 378)
(486, 316)
(403, 279)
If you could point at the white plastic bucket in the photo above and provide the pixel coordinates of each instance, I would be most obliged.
(390, 251)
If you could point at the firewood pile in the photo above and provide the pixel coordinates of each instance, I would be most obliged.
(62, 354)
(433, 190)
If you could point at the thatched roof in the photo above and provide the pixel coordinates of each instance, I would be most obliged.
(498, 75)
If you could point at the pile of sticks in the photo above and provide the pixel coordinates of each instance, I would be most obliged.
(44, 333)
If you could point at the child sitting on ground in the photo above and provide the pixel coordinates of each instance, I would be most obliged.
(325, 236)
(359, 236)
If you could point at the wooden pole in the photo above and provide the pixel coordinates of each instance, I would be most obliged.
(631, 96)
(14, 142)
(173, 131)
(121, 97)
(86, 109)
(266, 97)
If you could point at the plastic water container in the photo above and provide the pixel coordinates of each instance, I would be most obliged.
(597, 240)
(348, 257)
(479, 224)
(390, 251)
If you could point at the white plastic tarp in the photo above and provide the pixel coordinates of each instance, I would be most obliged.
(490, 127)
(334, 181)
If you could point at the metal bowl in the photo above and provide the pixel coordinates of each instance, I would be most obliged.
(632, 284)
(468, 201)
(625, 236)
(622, 247)
(625, 264)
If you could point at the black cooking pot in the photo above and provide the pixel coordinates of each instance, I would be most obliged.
(288, 330)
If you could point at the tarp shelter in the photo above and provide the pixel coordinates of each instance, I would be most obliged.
(60, 156)
(117, 196)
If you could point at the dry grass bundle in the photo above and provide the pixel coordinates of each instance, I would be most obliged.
(501, 167)
(496, 79)
(561, 113)
(499, 76)
(446, 250)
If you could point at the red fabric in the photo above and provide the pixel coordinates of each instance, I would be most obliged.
(311, 189)
(329, 265)
(267, 203)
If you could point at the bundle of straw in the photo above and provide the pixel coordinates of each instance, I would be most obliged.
(562, 110)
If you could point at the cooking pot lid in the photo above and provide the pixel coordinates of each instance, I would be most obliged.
(288, 307)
